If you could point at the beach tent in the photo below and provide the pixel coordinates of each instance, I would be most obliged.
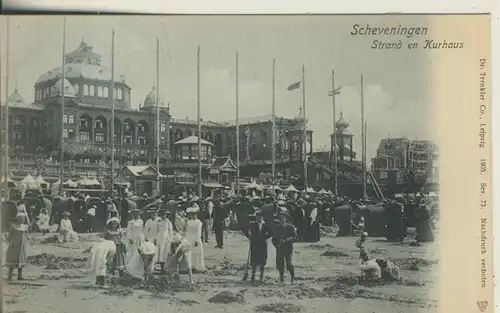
(41, 182)
(29, 182)
(291, 188)
(253, 185)
(310, 190)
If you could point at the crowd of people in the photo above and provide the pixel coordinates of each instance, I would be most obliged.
(169, 234)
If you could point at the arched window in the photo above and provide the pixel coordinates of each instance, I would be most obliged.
(85, 90)
(106, 92)
(99, 92)
(92, 91)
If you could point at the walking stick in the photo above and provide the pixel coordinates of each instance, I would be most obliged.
(247, 266)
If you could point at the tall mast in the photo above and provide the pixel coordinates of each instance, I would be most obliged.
(304, 125)
(273, 143)
(63, 70)
(112, 111)
(199, 122)
(6, 116)
(363, 151)
(158, 116)
(334, 146)
(237, 126)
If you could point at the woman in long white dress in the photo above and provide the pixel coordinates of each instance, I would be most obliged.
(178, 249)
(193, 235)
(165, 232)
(135, 236)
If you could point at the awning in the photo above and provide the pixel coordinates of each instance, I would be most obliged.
(310, 190)
(291, 188)
(254, 185)
(212, 185)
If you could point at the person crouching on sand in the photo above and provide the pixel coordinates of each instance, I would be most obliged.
(18, 246)
(101, 256)
(114, 233)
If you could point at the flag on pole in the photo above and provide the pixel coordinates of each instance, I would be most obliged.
(337, 91)
(294, 86)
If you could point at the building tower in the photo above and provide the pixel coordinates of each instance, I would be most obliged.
(344, 140)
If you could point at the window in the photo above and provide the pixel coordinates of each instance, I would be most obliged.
(106, 92)
(85, 90)
(117, 139)
(120, 94)
(163, 128)
(127, 139)
(383, 174)
(185, 154)
(141, 128)
(65, 119)
(71, 133)
(99, 137)
(18, 121)
(92, 90)
(65, 134)
(71, 119)
(84, 136)
(127, 127)
(99, 91)
(286, 145)
(141, 140)
(84, 123)
(17, 135)
(99, 124)
(163, 141)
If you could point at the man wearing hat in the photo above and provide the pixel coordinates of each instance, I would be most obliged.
(258, 233)
(283, 238)
(219, 214)
(111, 208)
(90, 218)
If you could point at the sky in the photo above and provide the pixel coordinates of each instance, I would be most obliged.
(397, 84)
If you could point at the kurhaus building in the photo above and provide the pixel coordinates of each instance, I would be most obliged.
(35, 129)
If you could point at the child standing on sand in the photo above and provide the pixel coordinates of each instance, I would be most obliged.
(18, 246)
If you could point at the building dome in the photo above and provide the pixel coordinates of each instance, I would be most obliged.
(150, 100)
(300, 117)
(341, 124)
(56, 89)
(16, 100)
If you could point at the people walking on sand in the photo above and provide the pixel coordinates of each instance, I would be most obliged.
(17, 239)
(114, 233)
(284, 235)
(165, 232)
(193, 235)
(66, 229)
(101, 256)
(110, 208)
(360, 244)
(135, 236)
(258, 233)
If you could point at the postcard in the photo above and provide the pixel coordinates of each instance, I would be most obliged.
(258, 163)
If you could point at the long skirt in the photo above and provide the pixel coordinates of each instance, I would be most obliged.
(99, 258)
(17, 252)
(172, 259)
(120, 257)
(140, 265)
(197, 258)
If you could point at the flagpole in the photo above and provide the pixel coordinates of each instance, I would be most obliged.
(363, 157)
(304, 125)
(274, 126)
(63, 70)
(334, 152)
(158, 116)
(237, 127)
(199, 122)
(112, 111)
(6, 108)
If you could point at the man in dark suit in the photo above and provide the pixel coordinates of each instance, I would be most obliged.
(258, 233)
(219, 214)
(284, 235)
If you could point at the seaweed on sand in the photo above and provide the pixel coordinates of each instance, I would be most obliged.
(278, 307)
